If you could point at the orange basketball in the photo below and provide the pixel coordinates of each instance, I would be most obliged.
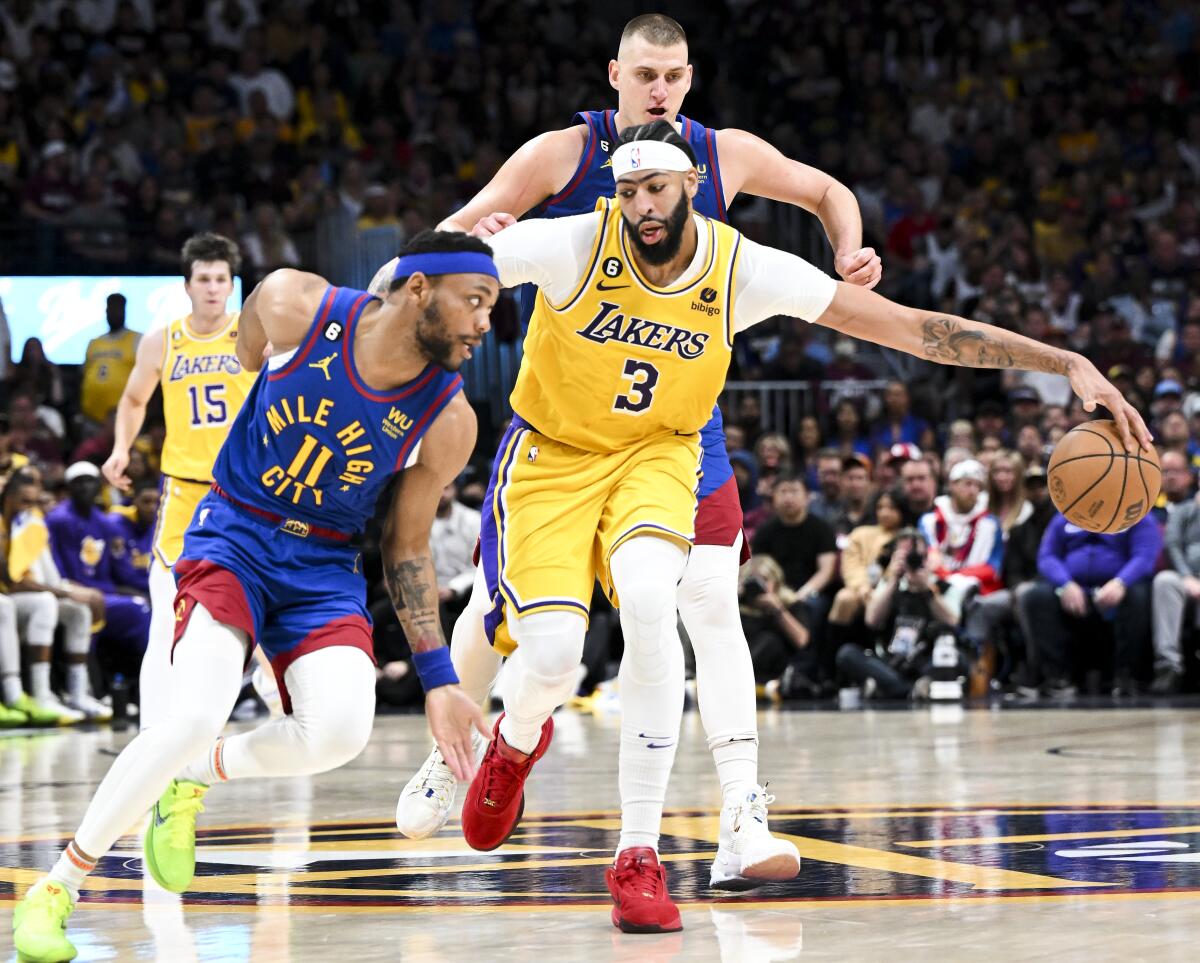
(1096, 484)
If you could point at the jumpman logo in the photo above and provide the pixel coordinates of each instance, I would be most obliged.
(323, 365)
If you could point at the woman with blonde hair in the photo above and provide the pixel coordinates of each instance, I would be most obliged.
(860, 559)
(1006, 489)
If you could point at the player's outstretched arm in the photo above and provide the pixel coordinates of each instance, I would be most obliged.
(277, 313)
(538, 169)
(949, 339)
(412, 584)
(131, 409)
(751, 165)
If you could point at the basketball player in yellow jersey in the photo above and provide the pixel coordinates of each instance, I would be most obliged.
(109, 360)
(203, 385)
(637, 307)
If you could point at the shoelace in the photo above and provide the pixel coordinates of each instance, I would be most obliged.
(180, 828)
(503, 776)
(439, 778)
(755, 806)
(639, 871)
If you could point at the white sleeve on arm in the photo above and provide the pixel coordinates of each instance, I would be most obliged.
(553, 253)
(771, 282)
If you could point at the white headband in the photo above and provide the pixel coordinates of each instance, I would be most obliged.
(649, 155)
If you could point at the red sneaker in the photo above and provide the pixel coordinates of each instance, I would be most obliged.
(638, 884)
(496, 797)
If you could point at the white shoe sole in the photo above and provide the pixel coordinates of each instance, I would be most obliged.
(730, 873)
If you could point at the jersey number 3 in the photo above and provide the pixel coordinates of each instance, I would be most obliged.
(208, 408)
(643, 376)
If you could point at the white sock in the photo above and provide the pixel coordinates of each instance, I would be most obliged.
(39, 681)
(475, 661)
(71, 869)
(645, 571)
(12, 688)
(78, 685)
(737, 765)
(208, 768)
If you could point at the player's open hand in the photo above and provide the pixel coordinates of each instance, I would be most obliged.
(492, 224)
(1094, 389)
(862, 267)
(452, 714)
(113, 470)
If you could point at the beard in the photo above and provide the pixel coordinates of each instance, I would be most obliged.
(672, 239)
(434, 340)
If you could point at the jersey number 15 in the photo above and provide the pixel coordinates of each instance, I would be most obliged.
(208, 405)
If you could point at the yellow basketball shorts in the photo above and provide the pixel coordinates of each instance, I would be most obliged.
(176, 505)
(553, 515)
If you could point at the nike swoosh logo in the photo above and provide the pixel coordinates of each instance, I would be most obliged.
(158, 820)
(610, 287)
(659, 745)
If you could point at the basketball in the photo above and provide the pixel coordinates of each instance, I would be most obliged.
(1096, 484)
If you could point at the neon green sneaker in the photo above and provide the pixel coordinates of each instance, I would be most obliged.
(49, 713)
(171, 836)
(40, 924)
(12, 717)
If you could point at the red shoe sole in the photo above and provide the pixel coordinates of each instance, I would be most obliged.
(626, 927)
(511, 829)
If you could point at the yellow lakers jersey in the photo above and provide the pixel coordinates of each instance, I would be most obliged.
(203, 386)
(622, 360)
(106, 368)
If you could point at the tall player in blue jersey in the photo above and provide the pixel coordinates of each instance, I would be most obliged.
(561, 173)
(357, 390)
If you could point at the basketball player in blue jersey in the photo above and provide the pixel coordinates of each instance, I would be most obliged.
(357, 389)
(563, 173)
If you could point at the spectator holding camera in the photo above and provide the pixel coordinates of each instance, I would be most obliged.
(774, 621)
(861, 569)
(908, 610)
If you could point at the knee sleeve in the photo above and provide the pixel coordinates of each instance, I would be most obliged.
(333, 702)
(551, 643)
(646, 571)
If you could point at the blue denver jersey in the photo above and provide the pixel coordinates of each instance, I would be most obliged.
(312, 442)
(593, 179)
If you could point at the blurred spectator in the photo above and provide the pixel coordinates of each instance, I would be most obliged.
(1178, 482)
(775, 623)
(134, 527)
(805, 548)
(268, 246)
(1088, 581)
(1175, 592)
(966, 546)
(452, 542)
(919, 486)
(28, 434)
(1006, 490)
(826, 503)
(898, 423)
(847, 435)
(108, 361)
(907, 610)
(860, 568)
(252, 76)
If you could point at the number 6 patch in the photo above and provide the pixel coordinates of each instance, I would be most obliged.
(333, 330)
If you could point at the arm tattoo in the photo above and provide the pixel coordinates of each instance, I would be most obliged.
(946, 339)
(412, 586)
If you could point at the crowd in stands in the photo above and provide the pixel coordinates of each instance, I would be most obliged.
(1031, 165)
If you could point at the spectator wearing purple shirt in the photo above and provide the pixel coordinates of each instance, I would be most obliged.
(1087, 581)
(134, 528)
(81, 540)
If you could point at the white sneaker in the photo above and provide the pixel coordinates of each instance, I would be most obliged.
(66, 715)
(425, 802)
(748, 855)
(92, 708)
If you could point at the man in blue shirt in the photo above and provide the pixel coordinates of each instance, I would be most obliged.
(1084, 577)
